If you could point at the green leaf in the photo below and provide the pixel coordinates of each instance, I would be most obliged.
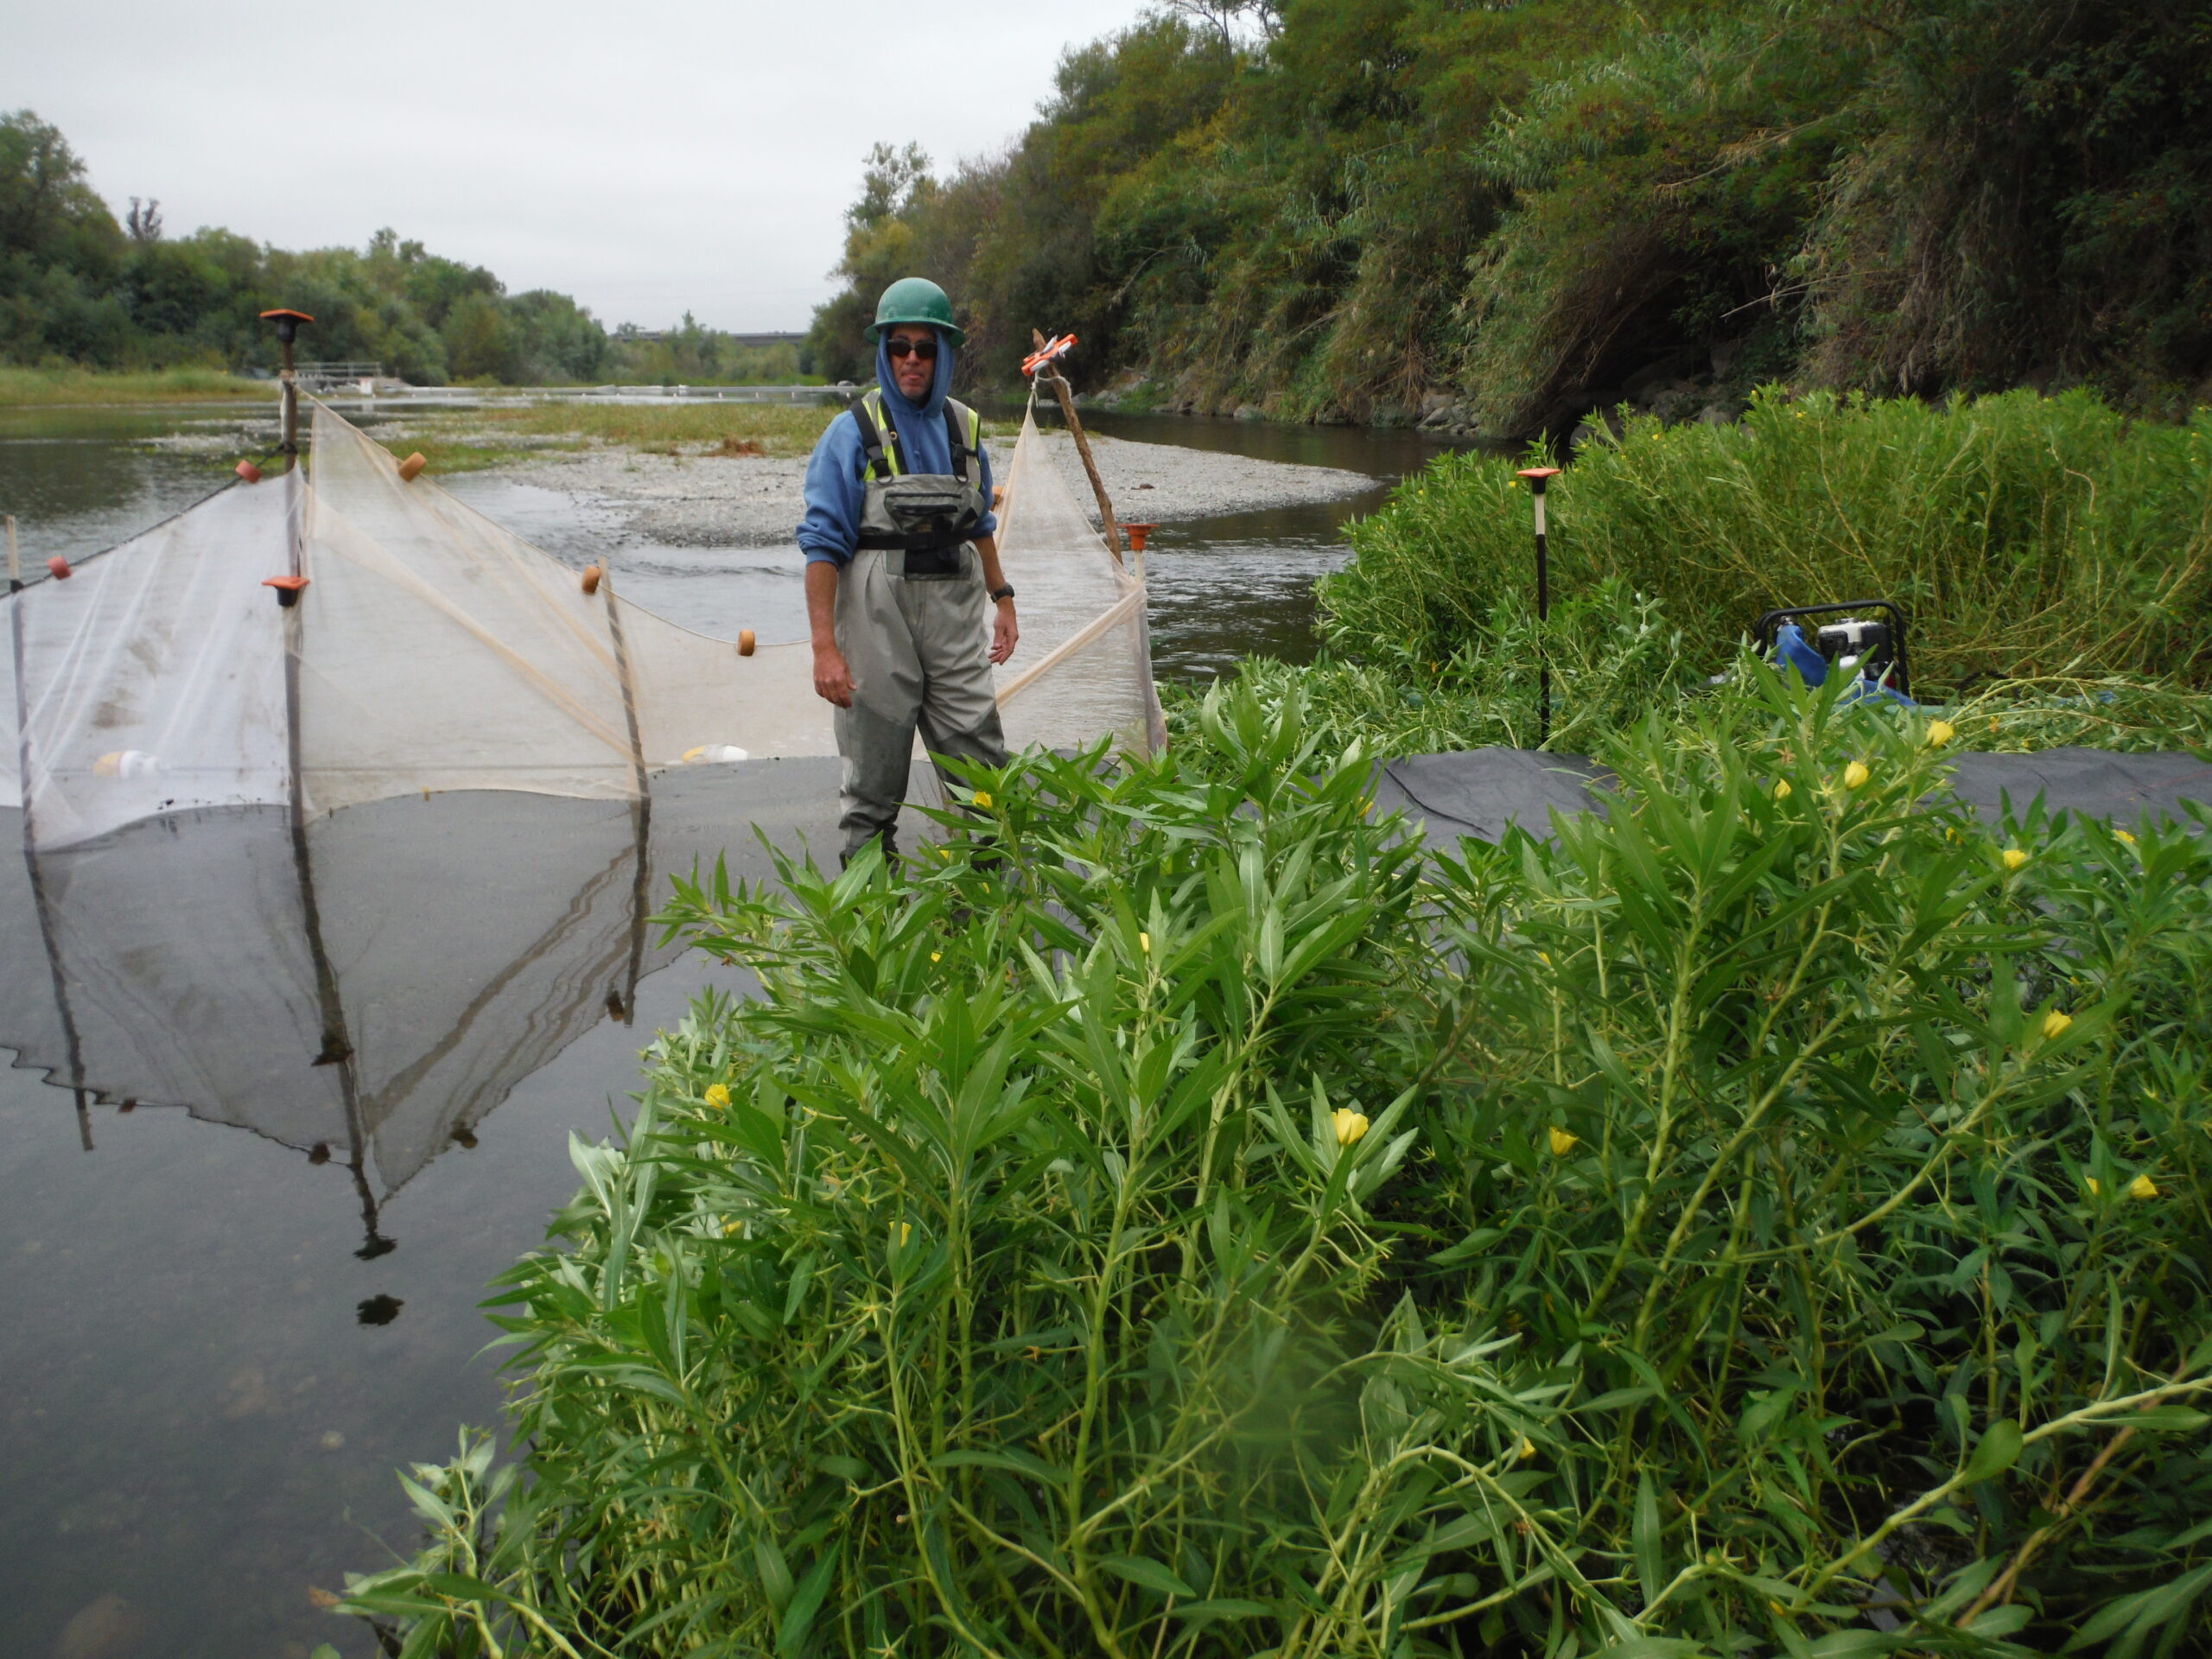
(775, 1572)
(1650, 1562)
(799, 1617)
(1228, 1607)
(1153, 1575)
(1998, 1451)
(1014, 1459)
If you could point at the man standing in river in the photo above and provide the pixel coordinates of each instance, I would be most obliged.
(900, 555)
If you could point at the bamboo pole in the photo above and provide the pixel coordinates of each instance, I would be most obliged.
(1066, 395)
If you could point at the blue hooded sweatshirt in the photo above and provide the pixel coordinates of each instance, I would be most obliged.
(836, 475)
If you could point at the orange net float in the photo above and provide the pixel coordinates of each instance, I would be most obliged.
(58, 568)
(745, 642)
(411, 467)
(248, 471)
(1139, 534)
(592, 574)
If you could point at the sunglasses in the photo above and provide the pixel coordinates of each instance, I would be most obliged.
(925, 349)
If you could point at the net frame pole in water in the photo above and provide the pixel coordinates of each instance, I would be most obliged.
(287, 323)
(1040, 364)
(1538, 477)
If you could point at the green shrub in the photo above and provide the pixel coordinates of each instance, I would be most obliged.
(1613, 656)
(2025, 535)
(1779, 1193)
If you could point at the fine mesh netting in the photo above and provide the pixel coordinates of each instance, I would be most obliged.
(1084, 667)
(433, 651)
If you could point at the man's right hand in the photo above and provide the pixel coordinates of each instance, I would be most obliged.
(833, 681)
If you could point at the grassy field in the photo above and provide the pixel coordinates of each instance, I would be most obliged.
(32, 387)
(1176, 1221)
(2026, 536)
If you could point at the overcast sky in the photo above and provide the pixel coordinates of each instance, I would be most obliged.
(648, 157)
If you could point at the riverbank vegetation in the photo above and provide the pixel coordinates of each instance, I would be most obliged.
(32, 388)
(499, 434)
(1503, 216)
(2026, 536)
(82, 290)
(1176, 1219)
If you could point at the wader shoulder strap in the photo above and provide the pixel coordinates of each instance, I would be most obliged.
(964, 433)
(867, 416)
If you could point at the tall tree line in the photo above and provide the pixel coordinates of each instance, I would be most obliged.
(79, 287)
(1338, 209)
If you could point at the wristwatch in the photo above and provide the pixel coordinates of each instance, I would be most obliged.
(1006, 592)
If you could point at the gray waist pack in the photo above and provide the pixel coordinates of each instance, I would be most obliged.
(919, 510)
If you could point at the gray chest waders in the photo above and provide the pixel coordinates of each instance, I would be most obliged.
(910, 622)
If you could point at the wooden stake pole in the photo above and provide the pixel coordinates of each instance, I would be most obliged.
(15, 560)
(1066, 395)
(1538, 477)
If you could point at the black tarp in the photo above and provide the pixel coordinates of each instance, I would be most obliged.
(1478, 792)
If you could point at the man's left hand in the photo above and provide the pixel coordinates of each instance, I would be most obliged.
(1004, 633)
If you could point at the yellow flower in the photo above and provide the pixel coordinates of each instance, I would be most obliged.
(2094, 1188)
(2142, 1187)
(2014, 858)
(1782, 790)
(1350, 1125)
(983, 799)
(2124, 836)
(1855, 774)
(1527, 1449)
(937, 956)
(1993, 722)
(2055, 1023)
(901, 1232)
(1940, 732)
(1144, 943)
(718, 1096)
(1562, 1142)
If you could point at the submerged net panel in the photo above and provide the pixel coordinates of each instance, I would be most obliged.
(439, 651)
(1084, 667)
(152, 678)
(442, 1022)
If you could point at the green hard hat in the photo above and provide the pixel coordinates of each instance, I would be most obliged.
(915, 299)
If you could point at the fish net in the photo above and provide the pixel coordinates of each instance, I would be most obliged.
(433, 651)
(1084, 668)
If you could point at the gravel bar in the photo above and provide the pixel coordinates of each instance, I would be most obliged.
(754, 502)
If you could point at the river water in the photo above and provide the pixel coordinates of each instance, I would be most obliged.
(222, 1328)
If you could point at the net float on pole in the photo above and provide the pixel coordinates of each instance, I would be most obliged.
(411, 468)
(592, 574)
(745, 642)
(287, 589)
(1538, 477)
(1139, 535)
